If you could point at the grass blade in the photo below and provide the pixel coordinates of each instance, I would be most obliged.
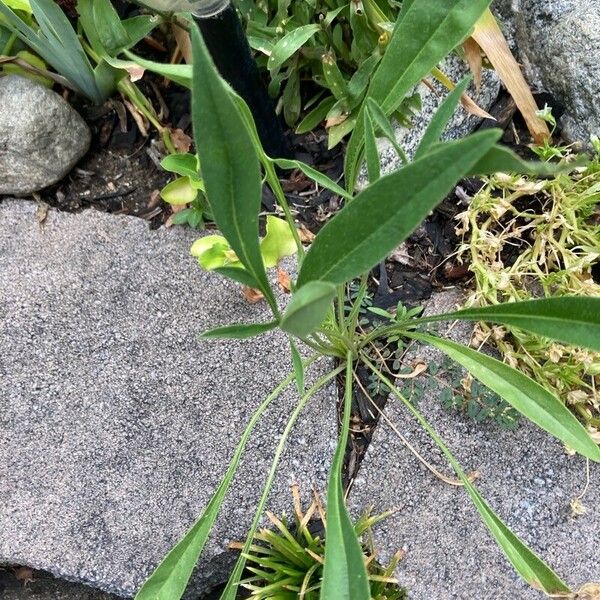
(525, 395)
(230, 164)
(386, 212)
(570, 319)
(238, 332)
(529, 566)
(344, 572)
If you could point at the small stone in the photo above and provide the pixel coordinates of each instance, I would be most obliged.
(41, 136)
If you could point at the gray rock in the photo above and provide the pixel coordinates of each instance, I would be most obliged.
(116, 421)
(525, 475)
(461, 124)
(558, 42)
(41, 136)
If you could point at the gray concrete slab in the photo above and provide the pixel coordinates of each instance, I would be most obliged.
(525, 475)
(116, 422)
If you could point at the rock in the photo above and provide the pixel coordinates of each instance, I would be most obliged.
(460, 125)
(558, 42)
(525, 475)
(117, 422)
(41, 136)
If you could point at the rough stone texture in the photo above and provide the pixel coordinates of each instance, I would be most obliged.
(116, 422)
(41, 136)
(460, 125)
(525, 476)
(558, 42)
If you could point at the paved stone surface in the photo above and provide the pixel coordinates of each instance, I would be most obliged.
(525, 476)
(41, 136)
(116, 422)
(460, 125)
(558, 43)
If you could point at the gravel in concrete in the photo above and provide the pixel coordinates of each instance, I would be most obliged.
(116, 422)
(525, 475)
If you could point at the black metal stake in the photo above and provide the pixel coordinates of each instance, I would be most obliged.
(230, 51)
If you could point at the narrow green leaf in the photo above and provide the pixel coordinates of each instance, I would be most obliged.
(525, 395)
(384, 125)
(170, 578)
(230, 165)
(181, 74)
(315, 175)
(110, 31)
(371, 152)
(307, 308)
(298, 367)
(344, 573)
(138, 27)
(529, 566)
(441, 117)
(316, 115)
(386, 212)
(290, 43)
(238, 332)
(570, 319)
(427, 31)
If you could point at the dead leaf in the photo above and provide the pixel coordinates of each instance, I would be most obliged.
(251, 295)
(283, 280)
(491, 40)
(24, 575)
(181, 140)
(590, 591)
(333, 121)
(419, 368)
(41, 211)
(306, 236)
(139, 119)
(135, 71)
(401, 255)
(473, 57)
(182, 37)
(473, 108)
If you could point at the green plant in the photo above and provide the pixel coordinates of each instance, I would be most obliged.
(287, 562)
(525, 239)
(372, 224)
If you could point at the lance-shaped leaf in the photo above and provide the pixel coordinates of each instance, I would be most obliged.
(365, 231)
(525, 395)
(425, 33)
(344, 573)
(307, 308)
(289, 43)
(570, 319)
(238, 332)
(230, 165)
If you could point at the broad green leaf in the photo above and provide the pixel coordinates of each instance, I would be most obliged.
(182, 164)
(441, 117)
(529, 566)
(315, 175)
(170, 578)
(344, 573)
(298, 367)
(214, 252)
(179, 192)
(570, 319)
(278, 242)
(525, 395)
(230, 165)
(307, 308)
(427, 31)
(238, 332)
(290, 43)
(365, 231)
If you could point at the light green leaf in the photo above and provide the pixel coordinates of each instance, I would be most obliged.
(570, 319)
(170, 578)
(307, 308)
(525, 395)
(441, 117)
(238, 332)
(366, 230)
(315, 175)
(529, 566)
(214, 252)
(298, 367)
(19, 5)
(290, 43)
(182, 164)
(371, 151)
(138, 27)
(344, 573)
(278, 242)
(230, 165)
(427, 31)
(181, 74)
(179, 192)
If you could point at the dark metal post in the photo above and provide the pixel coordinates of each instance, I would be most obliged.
(226, 41)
